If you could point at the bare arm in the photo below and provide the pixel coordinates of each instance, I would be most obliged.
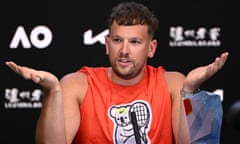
(177, 81)
(50, 127)
(74, 87)
(179, 122)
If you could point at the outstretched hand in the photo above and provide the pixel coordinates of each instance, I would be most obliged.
(45, 79)
(200, 74)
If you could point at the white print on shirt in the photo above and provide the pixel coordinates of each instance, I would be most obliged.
(131, 122)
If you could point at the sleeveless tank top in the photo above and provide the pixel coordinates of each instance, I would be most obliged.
(112, 113)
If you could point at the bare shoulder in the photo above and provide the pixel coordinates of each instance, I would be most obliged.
(172, 75)
(74, 85)
(174, 80)
(74, 77)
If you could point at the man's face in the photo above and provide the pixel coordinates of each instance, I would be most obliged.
(128, 48)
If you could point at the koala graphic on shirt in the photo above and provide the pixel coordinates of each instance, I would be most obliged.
(127, 129)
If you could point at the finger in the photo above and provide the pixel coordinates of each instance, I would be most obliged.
(36, 78)
(13, 66)
(211, 69)
(27, 72)
(217, 64)
(220, 61)
(224, 57)
(24, 71)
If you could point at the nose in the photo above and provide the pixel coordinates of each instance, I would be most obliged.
(125, 48)
(122, 120)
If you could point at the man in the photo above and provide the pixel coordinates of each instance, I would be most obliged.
(129, 102)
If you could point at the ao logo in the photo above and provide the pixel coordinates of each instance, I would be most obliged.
(40, 37)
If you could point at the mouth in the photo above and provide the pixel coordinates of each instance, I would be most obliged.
(124, 62)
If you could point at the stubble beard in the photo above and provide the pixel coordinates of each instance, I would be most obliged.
(128, 72)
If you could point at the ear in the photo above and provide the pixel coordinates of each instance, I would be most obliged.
(107, 44)
(152, 48)
(113, 111)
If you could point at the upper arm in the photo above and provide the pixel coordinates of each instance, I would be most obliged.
(179, 122)
(74, 87)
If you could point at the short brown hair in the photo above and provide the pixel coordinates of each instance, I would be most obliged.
(133, 13)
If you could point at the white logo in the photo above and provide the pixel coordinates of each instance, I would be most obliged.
(23, 99)
(40, 37)
(194, 37)
(88, 39)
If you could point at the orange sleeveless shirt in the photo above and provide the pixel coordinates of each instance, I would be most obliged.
(112, 113)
